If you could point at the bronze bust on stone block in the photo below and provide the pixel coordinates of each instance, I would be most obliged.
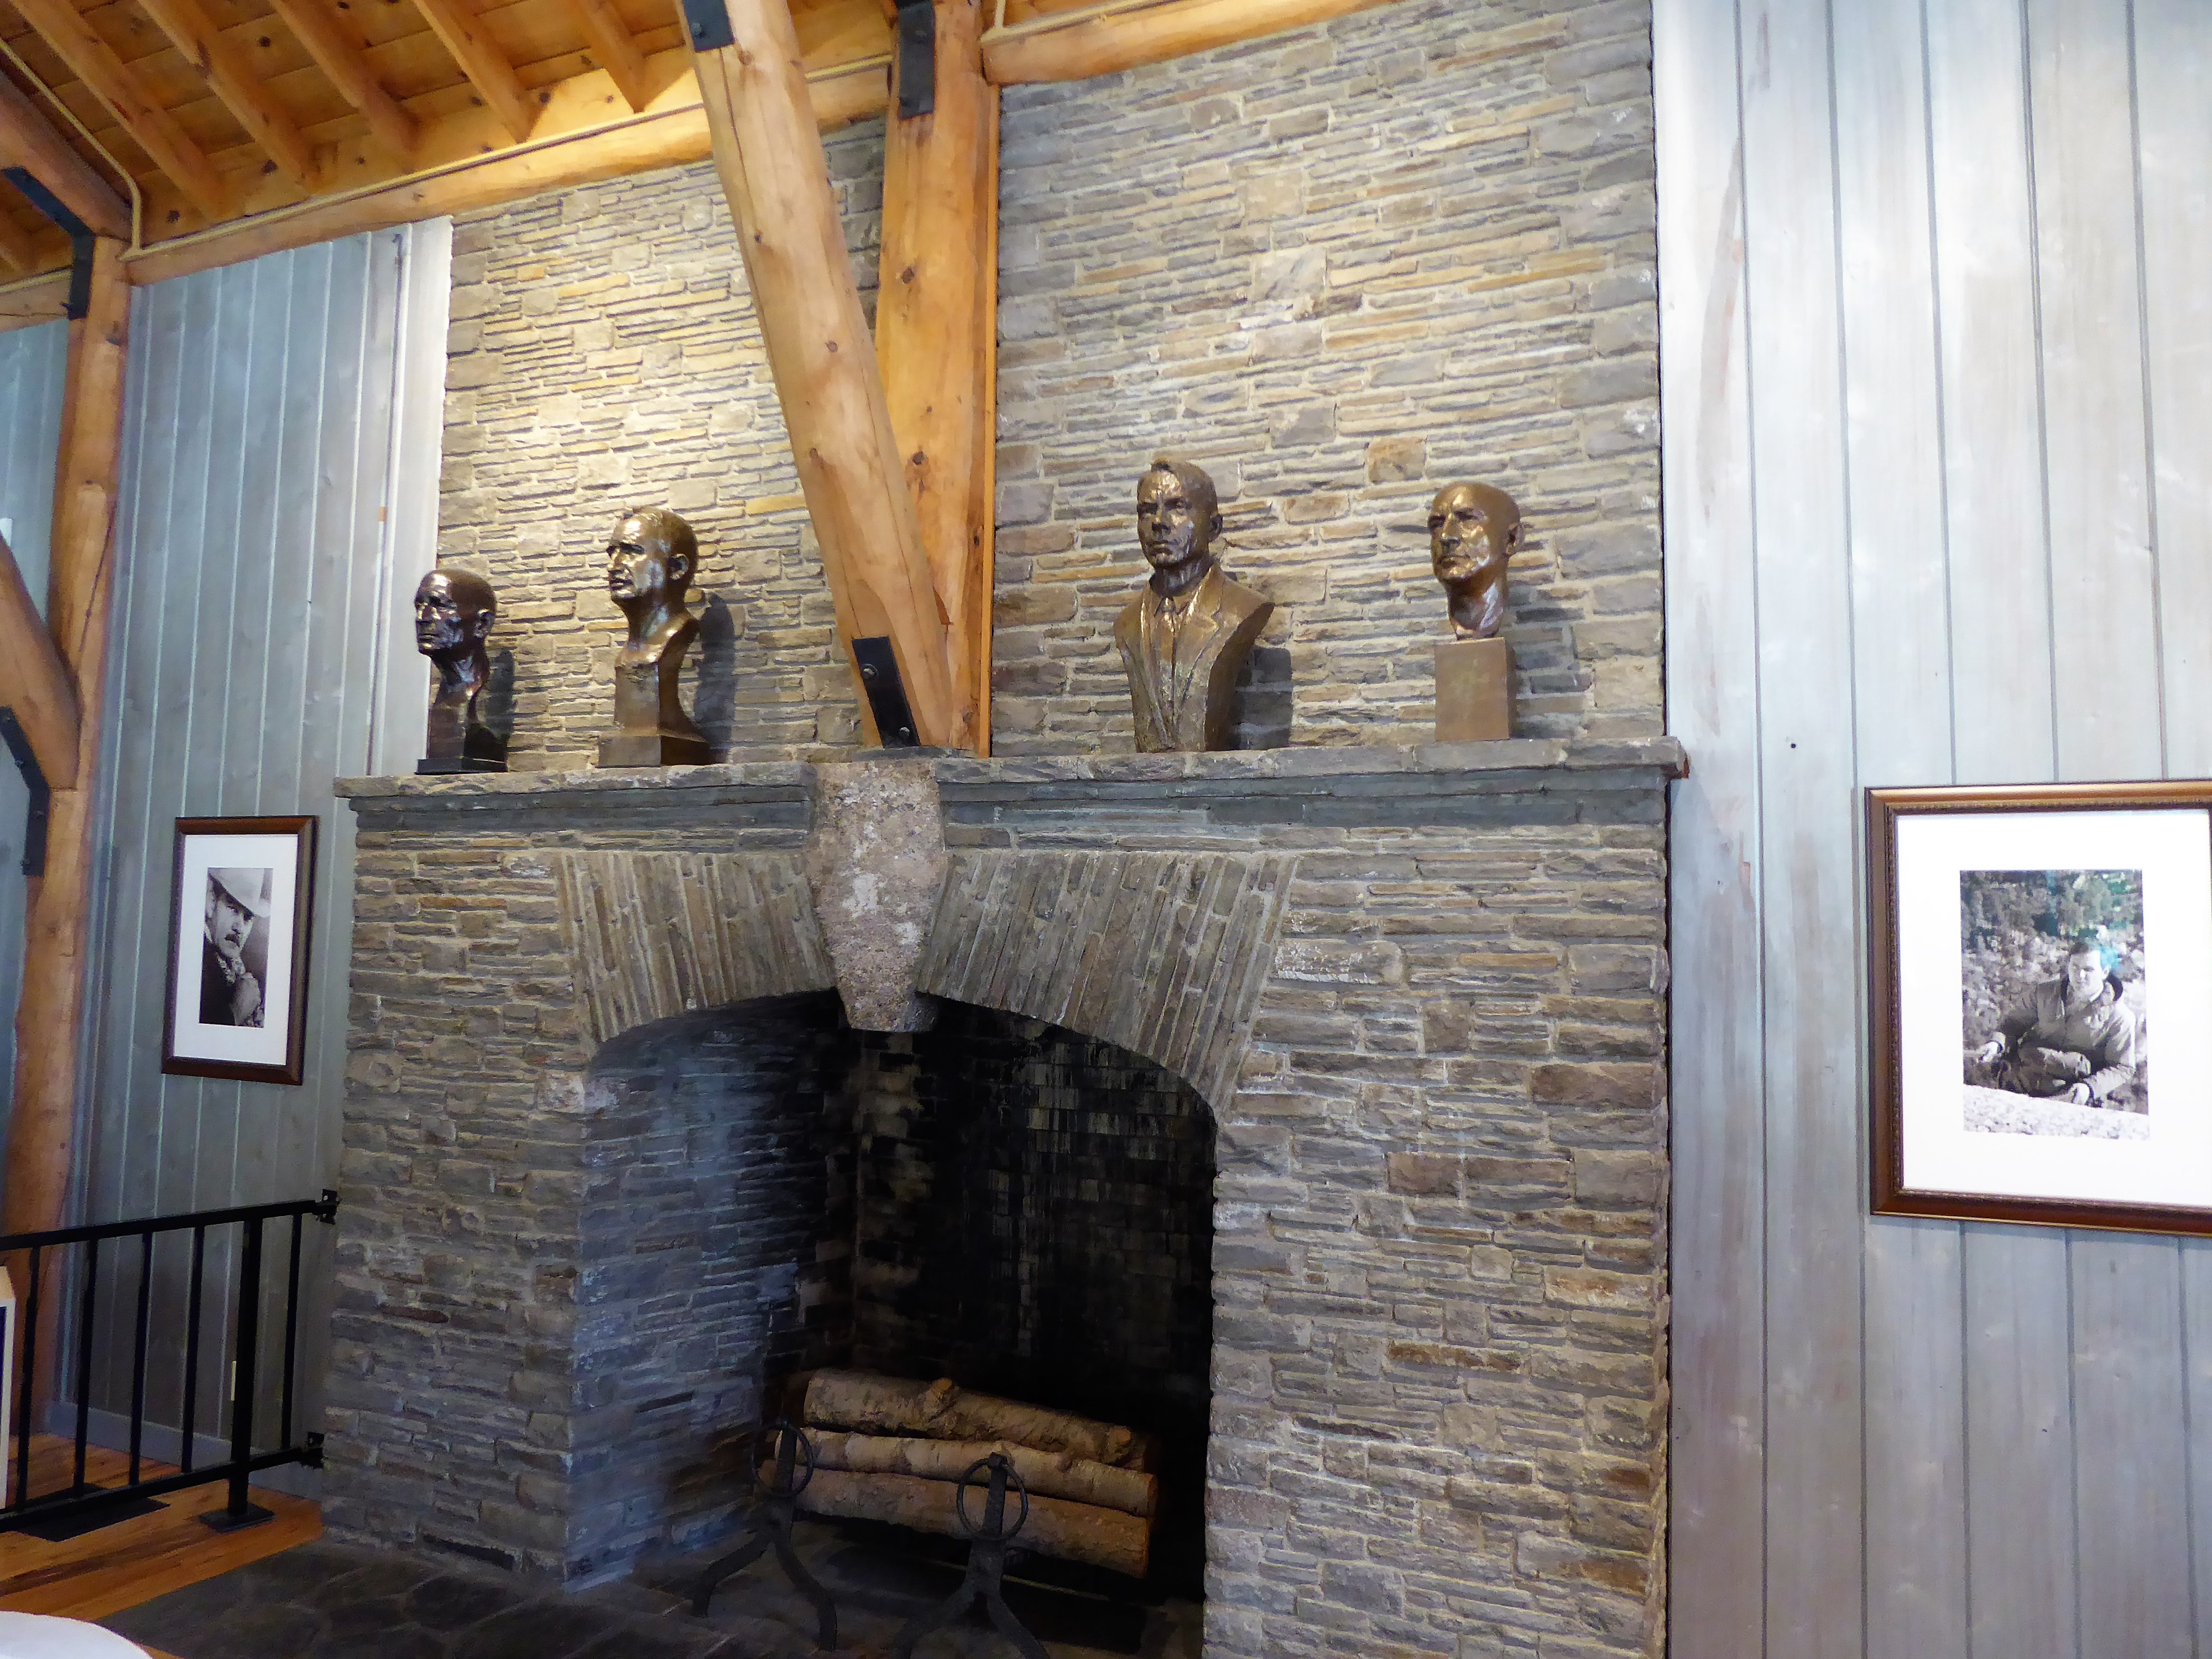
(1185, 639)
(454, 611)
(650, 560)
(1473, 531)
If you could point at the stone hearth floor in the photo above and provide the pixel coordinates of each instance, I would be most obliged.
(330, 1600)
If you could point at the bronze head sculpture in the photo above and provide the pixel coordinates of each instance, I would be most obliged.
(1184, 641)
(1474, 530)
(651, 559)
(454, 611)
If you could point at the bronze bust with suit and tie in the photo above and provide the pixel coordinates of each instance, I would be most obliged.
(1185, 638)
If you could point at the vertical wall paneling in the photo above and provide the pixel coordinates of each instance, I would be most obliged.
(1717, 1525)
(1973, 234)
(252, 614)
(1804, 737)
(32, 364)
(1915, 1422)
(418, 421)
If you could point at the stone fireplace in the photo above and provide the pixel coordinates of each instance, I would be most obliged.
(1322, 1088)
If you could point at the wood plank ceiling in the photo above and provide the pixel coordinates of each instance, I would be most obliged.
(222, 109)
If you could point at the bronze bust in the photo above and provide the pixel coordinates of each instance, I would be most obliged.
(1474, 530)
(454, 611)
(1184, 641)
(650, 560)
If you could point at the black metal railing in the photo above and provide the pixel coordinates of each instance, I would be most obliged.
(80, 1498)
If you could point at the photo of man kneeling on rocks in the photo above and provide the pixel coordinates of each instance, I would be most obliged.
(2054, 1002)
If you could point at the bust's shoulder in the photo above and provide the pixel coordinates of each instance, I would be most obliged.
(1129, 626)
(1234, 601)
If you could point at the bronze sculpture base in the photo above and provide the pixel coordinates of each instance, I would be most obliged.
(1474, 691)
(445, 765)
(654, 749)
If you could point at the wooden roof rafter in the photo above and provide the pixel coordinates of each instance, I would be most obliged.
(255, 108)
(611, 42)
(29, 141)
(93, 60)
(456, 25)
(340, 57)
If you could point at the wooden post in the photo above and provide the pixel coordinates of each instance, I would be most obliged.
(777, 179)
(937, 327)
(42, 1125)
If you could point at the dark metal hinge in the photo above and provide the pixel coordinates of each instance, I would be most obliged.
(34, 780)
(879, 673)
(709, 21)
(917, 57)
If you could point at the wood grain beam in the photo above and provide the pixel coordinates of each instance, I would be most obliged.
(675, 136)
(43, 1123)
(341, 57)
(61, 27)
(28, 140)
(33, 681)
(610, 39)
(1079, 44)
(777, 179)
(27, 304)
(462, 32)
(17, 251)
(936, 330)
(232, 80)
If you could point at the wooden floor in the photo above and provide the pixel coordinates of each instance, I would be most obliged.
(134, 1561)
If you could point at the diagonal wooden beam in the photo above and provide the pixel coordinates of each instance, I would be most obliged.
(61, 27)
(1115, 36)
(341, 58)
(57, 904)
(34, 684)
(773, 169)
(232, 80)
(936, 327)
(456, 25)
(28, 140)
(609, 38)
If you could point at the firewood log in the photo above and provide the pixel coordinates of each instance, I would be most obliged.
(1073, 1532)
(943, 1411)
(1048, 1474)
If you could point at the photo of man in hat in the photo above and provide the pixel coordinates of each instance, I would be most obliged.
(230, 983)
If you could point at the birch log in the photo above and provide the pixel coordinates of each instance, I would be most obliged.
(1048, 1474)
(1072, 1532)
(943, 1411)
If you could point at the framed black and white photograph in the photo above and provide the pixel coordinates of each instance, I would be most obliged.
(2042, 1004)
(240, 908)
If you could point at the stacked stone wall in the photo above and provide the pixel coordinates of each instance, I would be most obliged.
(1339, 268)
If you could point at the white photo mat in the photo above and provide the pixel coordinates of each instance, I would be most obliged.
(2171, 847)
(191, 1039)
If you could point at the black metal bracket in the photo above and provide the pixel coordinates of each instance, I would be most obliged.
(42, 797)
(311, 1451)
(80, 236)
(709, 21)
(879, 673)
(917, 57)
(326, 1211)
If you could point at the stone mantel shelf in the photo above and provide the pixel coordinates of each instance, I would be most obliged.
(1416, 769)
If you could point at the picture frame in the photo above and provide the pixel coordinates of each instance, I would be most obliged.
(2041, 966)
(241, 911)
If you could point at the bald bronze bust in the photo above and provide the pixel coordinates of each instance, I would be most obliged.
(454, 611)
(651, 559)
(1184, 641)
(1474, 530)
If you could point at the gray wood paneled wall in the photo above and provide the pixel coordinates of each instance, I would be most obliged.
(1937, 388)
(250, 663)
(32, 361)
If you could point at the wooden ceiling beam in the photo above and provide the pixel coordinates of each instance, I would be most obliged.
(465, 36)
(1107, 38)
(768, 153)
(28, 140)
(17, 252)
(28, 305)
(33, 681)
(232, 80)
(610, 40)
(93, 62)
(341, 58)
(937, 307)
